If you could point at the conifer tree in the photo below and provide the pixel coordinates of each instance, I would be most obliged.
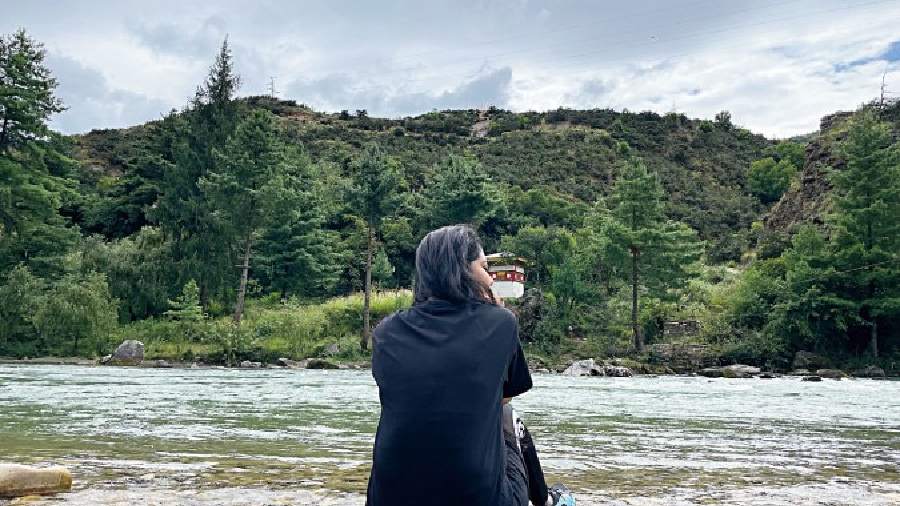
(641, 244)
(459, 191)
(248, 186)
(26, 91)
(866, 223)
(374, 196)
(201, 246)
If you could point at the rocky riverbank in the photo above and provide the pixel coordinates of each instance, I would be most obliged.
(660, 359)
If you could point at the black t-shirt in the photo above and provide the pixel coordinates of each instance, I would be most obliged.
(442, 369)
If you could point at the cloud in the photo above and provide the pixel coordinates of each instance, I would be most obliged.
(337, 91)
(778, 67)
(91, 103)
(184, 40)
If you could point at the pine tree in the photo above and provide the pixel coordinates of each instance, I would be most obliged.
(201, 245)
(866, 223)
(26, 91)
(33, 186)
(654, 252)
(374, 196)
(459, 191)
(186, 307)
(248, 186)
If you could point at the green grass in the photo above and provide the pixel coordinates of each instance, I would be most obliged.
(270, 329)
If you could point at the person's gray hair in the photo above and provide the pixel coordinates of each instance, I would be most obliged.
(443, 260)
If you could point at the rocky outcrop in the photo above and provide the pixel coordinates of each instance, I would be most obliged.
(18, 481)
(831, 373)
(806, 202)
(130, 352)
(317, 363)
(591, 368)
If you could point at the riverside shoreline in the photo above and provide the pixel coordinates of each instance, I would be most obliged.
(537, 367)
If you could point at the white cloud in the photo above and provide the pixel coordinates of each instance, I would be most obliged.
(777, 66)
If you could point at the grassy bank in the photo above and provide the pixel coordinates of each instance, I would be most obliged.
(272, 328)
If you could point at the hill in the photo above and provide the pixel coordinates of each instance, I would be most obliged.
(570, 153)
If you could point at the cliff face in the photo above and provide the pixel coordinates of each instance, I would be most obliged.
(807, 200)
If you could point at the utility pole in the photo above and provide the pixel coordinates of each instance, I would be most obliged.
(271, 86)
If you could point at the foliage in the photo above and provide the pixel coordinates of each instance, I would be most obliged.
(458, 191)
(71, 316)
(26, 92)
(769, 179)
(642, 247)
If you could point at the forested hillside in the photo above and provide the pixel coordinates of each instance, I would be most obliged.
(231, 208)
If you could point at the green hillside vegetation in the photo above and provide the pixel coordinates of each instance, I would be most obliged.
(233, 227)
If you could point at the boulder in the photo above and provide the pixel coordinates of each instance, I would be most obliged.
(767, 375)
(831, 373)
(810, 361)
(18, 481)
(740, 371)
(590, 367)
(617, 371)
(318, 363)
(130, 352)
(871, 371)
(583, 368)
(711, 372)
(247, 364)
(812, 378)
(800, 372)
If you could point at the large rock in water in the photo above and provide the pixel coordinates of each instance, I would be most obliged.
(739, 371)
(591, 368)
(582, 368)
(17, 480)
(129, 353)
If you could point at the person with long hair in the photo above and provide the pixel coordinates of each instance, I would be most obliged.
(446, 369)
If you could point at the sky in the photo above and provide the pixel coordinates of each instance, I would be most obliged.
(776, 66)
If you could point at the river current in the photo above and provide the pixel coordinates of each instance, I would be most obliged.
(257, 437)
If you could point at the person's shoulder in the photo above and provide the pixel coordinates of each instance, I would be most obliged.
(387, 322)
(499, 312)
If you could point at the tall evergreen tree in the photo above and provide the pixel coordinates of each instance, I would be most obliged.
(26, 91)
(641, 243)
(201, 244)
(247, 188)
(33, 185)
(866, 223)
(374, 196)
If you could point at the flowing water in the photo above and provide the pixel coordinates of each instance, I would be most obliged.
(220, 436)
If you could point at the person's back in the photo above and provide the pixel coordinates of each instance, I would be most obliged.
(442, 369)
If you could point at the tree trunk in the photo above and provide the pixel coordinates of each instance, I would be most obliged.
(4, 134)
(368, 289)
(242, 290)
(873, 342)
(635, 328)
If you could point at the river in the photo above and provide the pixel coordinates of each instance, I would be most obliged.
(221, 436)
